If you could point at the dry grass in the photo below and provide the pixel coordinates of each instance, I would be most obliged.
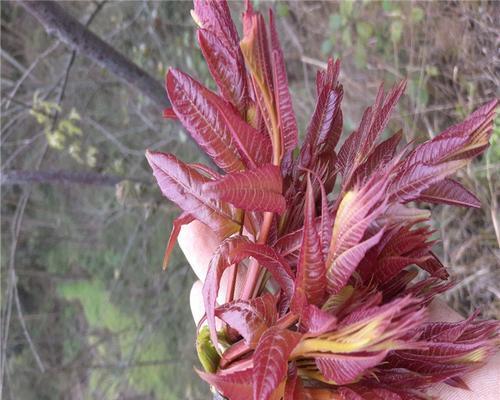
(451, 60)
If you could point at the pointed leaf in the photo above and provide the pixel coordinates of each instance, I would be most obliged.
(233, 385)
(199, 115)
(270, 361)
(294, 389)
(255, 49)
(310, 277)
(251, 318)
(255, 149)
(255, 190)
(181, 220)
(462, 141)
(232, 251)
(323, 126)
(356, 212)
(410, 182)
(182, 184)
(317, 321)
(381, 155)
(272, 261)
(344, 265)
(284, 107)
(344, 369)
(450, 192)
(360, 144)
(226, 67)
(215, 16)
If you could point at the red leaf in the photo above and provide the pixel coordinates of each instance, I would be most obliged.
(316, 321)
(356, 212)
(272, 261)
(215, 16)
(226, 67)
(195, 109)
(462, 141)
(310, 276)
(223, 258)
(255, 49)
(410, 182)
(254, 148)
(434, 267)
(381, 115)
(250, 318)
(344, 265)
(328, 78)
(450, 192)
(232, 251)
(270, 361)
(182, 184)
(235, 385)
(380, 157)
(255, 190)
(169, 113)
(359, 145)
(347, 368)
(183, 219)
(325, 127)
(284, 107)
(294, 390)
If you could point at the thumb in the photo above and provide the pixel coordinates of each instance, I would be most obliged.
(484, 383)
(198, 243)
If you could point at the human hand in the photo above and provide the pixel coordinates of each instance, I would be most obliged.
(198, 243)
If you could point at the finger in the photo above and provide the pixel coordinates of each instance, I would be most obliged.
(198, 243)
(484, 382)
(196, 302)
(440, 311)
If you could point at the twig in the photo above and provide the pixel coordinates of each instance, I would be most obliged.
(28, 71)
(108, 135)
(68, 29)
(39, 362)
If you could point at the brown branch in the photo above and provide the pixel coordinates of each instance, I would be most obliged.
(69, 30)
(19, 177)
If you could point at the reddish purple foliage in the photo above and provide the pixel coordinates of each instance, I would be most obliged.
(338, 313)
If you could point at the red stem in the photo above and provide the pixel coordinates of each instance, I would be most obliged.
(254, 267)
(239, 349)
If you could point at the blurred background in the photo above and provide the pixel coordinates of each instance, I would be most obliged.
(86, 311)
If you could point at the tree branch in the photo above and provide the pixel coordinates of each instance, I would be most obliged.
(19, 177)
(69, 30)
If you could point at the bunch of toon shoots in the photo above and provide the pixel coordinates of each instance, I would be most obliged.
(331, 306)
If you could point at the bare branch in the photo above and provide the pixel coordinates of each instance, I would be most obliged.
(16, 177)
(68, 29)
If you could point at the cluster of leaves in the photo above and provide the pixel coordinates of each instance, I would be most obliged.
(331, 305)
(67, 133)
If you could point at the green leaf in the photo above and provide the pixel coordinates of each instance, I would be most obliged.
(417, 14)
(208, 356)
(431, 70)
(346, 8)
(335, 22)
(396, 31)
(360, 55)
(346, 37)
(364, 30)
(282, 9)
(387, 5)
(326, 46)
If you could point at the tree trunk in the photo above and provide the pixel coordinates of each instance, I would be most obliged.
(69, 30)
